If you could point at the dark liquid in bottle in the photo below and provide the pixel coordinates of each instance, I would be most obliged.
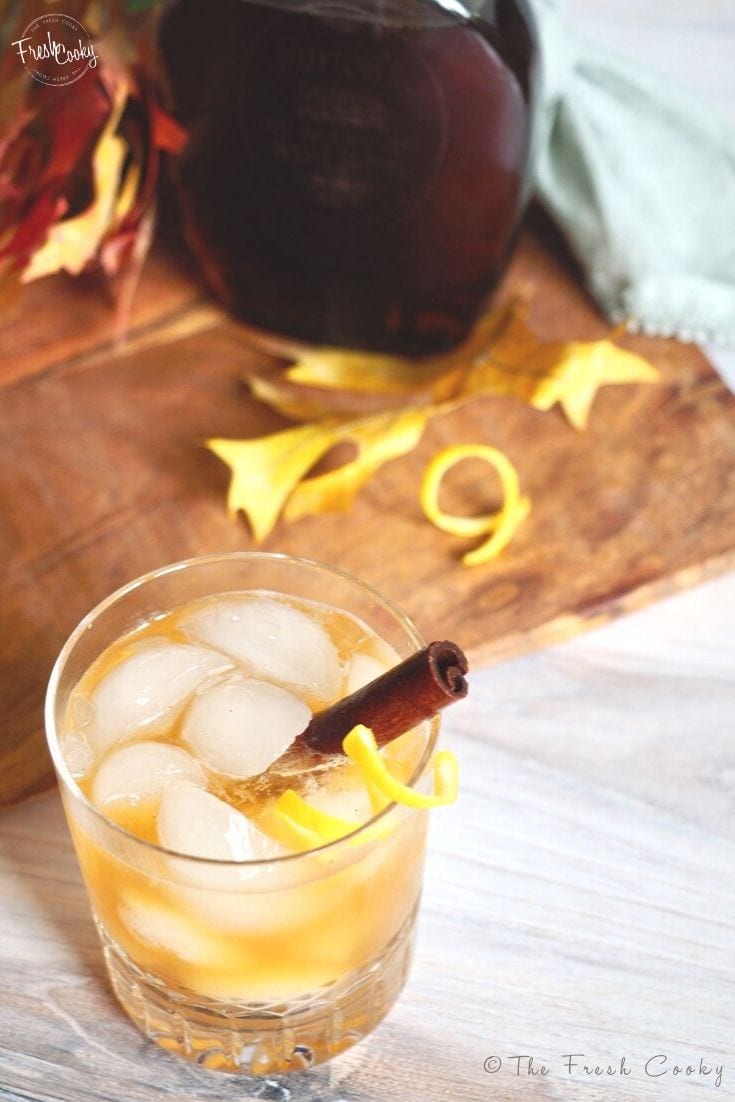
(354, 175)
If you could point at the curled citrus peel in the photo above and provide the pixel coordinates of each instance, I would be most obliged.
(360, 746)
(307, 827)
(500, 526)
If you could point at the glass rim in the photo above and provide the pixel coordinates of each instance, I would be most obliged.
(66, 777)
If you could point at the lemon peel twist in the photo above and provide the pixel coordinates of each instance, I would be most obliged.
(311, 827)
(501, 526)
(360, 746)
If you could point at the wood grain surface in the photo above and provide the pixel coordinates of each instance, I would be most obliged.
(579, 899)
(104, 477)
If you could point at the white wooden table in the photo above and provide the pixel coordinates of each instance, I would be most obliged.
(580, 898)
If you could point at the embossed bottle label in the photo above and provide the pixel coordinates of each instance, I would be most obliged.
(355, 168)
(348, 126)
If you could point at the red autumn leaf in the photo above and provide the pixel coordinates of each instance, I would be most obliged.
(32, 231)
(79, 168)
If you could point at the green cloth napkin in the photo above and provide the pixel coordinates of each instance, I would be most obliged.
(641, 180)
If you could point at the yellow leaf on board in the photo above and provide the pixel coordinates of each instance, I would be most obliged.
(580, 369)
(372, 373)
(366, 373)
(378, 438)
(503, 356)
(297, 406)
(543, 373)
(267, 470)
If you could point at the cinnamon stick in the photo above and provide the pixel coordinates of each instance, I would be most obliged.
(393, 703)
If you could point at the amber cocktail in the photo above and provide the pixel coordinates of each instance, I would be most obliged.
(234, 934)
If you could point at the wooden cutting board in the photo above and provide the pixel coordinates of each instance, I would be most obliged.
(102, 477)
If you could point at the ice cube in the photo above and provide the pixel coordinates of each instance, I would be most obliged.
(241, 726)
(363, 669)
(342, 793)
(141, 771)
(77, 753)
(192, 821)
(242, 908)
(161, 927)
(145, 692)
(273, 641)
